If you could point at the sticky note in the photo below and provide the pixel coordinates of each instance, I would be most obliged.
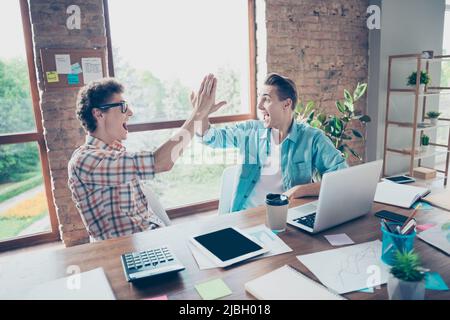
(213, 289)
(424, 206)
(433, 281)
(52, 76)
(76, 68)
(423, 227)
(367, 290)
(339, 239)
(73, 79)
(163, 297)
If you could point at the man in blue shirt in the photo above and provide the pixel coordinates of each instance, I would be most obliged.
(280, 155)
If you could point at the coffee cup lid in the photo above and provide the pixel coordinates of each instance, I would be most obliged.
(275, 199)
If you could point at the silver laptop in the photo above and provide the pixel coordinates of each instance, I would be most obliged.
(344, 195)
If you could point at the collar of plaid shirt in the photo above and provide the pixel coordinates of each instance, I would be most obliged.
(116, 145)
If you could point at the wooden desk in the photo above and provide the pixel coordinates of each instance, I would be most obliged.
(23, 271)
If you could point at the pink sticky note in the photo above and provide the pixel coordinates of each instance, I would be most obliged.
(423, 227)
(164, 297)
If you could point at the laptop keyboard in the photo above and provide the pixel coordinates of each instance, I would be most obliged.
(307, 220)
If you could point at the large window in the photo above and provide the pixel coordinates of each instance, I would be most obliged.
(26, 212)
(161, 50)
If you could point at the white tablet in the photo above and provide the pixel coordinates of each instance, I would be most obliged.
(227, 246)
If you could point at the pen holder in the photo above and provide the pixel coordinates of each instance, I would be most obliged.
(393, 242)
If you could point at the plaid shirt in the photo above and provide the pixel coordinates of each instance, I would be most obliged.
(104, 181)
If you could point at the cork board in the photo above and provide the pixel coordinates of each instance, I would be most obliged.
(72, 68)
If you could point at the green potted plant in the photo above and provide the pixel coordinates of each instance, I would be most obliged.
(424, 142)
(433, 116)
(407, 277)
(337, 127)
(424, 80)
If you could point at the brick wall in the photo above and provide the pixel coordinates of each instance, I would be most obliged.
(322, 45)
(62, 130)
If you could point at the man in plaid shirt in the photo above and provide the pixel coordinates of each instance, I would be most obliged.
(104, 178)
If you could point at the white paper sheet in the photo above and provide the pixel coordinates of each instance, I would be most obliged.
(91, 285)
(202, 261)
(349, 268)
(340, 239)
(260, 233)
(63, 63)
(92, 69)
(438, 236)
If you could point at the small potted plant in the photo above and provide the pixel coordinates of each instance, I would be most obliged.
(424, 141)
(407, 277)
(424, 80)
(433, 116)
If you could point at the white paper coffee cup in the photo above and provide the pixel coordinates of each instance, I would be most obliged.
(276, 211)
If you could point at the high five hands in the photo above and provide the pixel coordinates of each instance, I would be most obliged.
(204, 102)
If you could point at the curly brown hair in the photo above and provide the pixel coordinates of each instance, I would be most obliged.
(94, 94)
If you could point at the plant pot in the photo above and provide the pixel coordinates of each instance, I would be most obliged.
(421, 88)
(405, 290)
(434, 121)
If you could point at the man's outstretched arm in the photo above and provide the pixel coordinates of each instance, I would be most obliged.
(203, 104)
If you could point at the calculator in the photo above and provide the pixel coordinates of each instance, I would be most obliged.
(149, 263)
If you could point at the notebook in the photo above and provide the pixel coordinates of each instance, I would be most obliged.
(399, 195)
(90, 285)
(441, 200)
(286, 283)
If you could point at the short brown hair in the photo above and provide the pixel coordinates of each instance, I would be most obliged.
(94, 94)
(285, 87)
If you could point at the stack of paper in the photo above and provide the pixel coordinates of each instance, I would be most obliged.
(285, 283)
(260, 233)
(400, 195)
(90, 285)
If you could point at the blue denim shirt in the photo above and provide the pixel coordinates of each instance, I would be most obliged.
(305, 150)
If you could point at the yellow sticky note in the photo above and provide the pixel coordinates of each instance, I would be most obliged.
(52, 76)
(214, 289)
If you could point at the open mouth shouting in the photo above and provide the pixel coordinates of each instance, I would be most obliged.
(125, 126)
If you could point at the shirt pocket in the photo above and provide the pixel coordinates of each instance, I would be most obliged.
(301, 172)
(125, 198)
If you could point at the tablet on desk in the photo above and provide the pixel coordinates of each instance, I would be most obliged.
(227, 246)
(400, 179)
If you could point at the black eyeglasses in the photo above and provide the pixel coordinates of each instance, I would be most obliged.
(123, 106)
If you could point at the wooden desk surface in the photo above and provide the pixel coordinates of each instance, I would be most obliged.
(20, 272)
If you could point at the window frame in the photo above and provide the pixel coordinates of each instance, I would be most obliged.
(34, 136)
(171, 124)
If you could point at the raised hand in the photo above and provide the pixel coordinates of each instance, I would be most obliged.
(204, 102)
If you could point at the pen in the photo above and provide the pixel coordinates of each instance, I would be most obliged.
(401, 231)
(412, 215)
(411, 224)
(385, 225)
